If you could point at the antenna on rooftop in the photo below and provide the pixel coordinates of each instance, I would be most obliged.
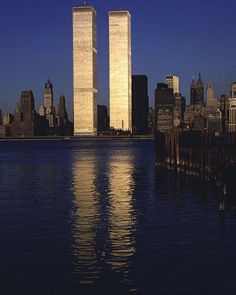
(85, 3)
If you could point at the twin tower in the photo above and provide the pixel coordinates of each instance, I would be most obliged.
(85, 70)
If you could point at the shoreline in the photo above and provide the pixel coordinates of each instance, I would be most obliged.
(75, 138)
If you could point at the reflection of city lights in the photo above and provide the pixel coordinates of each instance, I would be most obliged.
(103, 231)
(87, 218)
(121, 219)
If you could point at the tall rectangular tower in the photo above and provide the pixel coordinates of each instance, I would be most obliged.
(85, 70)
(140, 104)
(173, 82)
(120, 102)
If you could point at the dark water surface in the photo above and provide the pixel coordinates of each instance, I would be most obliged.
(97, 217)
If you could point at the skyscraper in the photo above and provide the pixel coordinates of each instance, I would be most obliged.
(199, 91)
(163, 96)
(233, 90)
(164, 108)
(140, 104)
(120, 102)
(211, 102)
(173, 82)
(232, 115)
(210, 93)
(85, 70)
(48, 104)
(24, 115)
(193, 92)
(103, 120)
(48, 97)
(0, 117)
(179, 105)
(61, 114)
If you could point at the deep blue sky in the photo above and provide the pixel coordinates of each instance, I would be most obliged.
(181, 37)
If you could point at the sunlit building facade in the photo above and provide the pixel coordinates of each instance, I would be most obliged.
(210, 93)
(232, 115)
(48, 97)
(85, 70)
(173, 82)
(233, 90)
(120, 102)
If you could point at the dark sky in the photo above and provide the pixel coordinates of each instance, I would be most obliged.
(181, 37)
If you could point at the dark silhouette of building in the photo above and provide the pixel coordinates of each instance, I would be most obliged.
(140, 104)
(103, 120)
(199, 122)
(164, 108)
(151, 121)
(224, 107)
(61, 114)
(199, 91)
(180, 104)
(27, 122)
(0, 117)
(62, 126)
(23, 124)
(163, 95)
(214, 123)
(193, 93)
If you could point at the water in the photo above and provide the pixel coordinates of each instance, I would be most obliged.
(97, 217)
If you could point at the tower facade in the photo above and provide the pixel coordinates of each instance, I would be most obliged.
(233, 90)
(140, 104)
(232, 115)
(0, 117)
(62, 116)
(48, 97)
(193, 92)
(24, 116)
(210, 93)
(164, 108)
(48, 108)
(85, 70)
(120, 101)
(173, 82)
(199, 91)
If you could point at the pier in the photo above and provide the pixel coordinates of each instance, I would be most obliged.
(199, 153)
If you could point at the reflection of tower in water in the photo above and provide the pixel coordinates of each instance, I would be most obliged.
(87, 217)
(121, 214)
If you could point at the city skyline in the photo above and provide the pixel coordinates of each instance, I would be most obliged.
(36, 47)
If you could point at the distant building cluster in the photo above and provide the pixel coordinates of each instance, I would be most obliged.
(205, 112)
(27, 122)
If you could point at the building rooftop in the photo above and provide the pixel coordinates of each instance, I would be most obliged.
(126, 12)
(84, 8)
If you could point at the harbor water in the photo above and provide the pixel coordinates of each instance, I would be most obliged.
(98, 217)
